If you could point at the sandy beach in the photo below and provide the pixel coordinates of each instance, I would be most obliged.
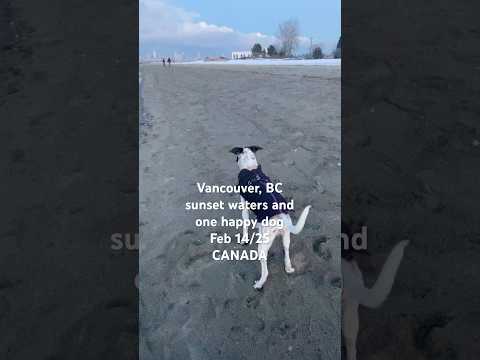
(192, 307)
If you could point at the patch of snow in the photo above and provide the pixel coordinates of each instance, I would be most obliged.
(290, 62)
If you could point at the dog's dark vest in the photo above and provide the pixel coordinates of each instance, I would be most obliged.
(256, 177)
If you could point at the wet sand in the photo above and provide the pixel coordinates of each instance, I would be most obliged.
(192, 307)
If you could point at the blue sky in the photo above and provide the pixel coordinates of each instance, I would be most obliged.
(215, 27)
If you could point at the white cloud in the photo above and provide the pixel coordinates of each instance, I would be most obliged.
(164, 24)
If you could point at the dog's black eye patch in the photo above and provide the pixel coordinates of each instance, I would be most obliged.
(236, 150)
(255, 148)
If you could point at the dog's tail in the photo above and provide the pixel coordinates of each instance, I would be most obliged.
(295, 229)
(375, 296)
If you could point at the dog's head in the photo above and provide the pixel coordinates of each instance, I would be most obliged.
(246, 156)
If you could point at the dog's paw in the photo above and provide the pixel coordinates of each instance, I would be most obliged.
(289, 270)
(258, 285)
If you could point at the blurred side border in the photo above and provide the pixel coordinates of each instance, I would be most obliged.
(69, 106)
(410, 155)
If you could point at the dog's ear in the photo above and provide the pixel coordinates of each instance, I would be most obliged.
(236, 150)
(255, 148)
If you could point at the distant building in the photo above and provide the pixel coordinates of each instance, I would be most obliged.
(241, 55)
(338, 50)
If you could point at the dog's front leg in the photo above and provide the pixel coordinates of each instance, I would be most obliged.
(265, 242)
(245, 217)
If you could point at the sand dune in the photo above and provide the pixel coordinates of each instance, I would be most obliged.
(192, 307)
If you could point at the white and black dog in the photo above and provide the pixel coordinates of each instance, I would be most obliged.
(251, 174)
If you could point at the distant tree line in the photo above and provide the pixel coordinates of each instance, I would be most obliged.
(288, 34)
(258, 51)
(289, 39)
(271, 51)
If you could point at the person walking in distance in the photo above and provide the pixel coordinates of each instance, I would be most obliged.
(169, 61)
(163, 61)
